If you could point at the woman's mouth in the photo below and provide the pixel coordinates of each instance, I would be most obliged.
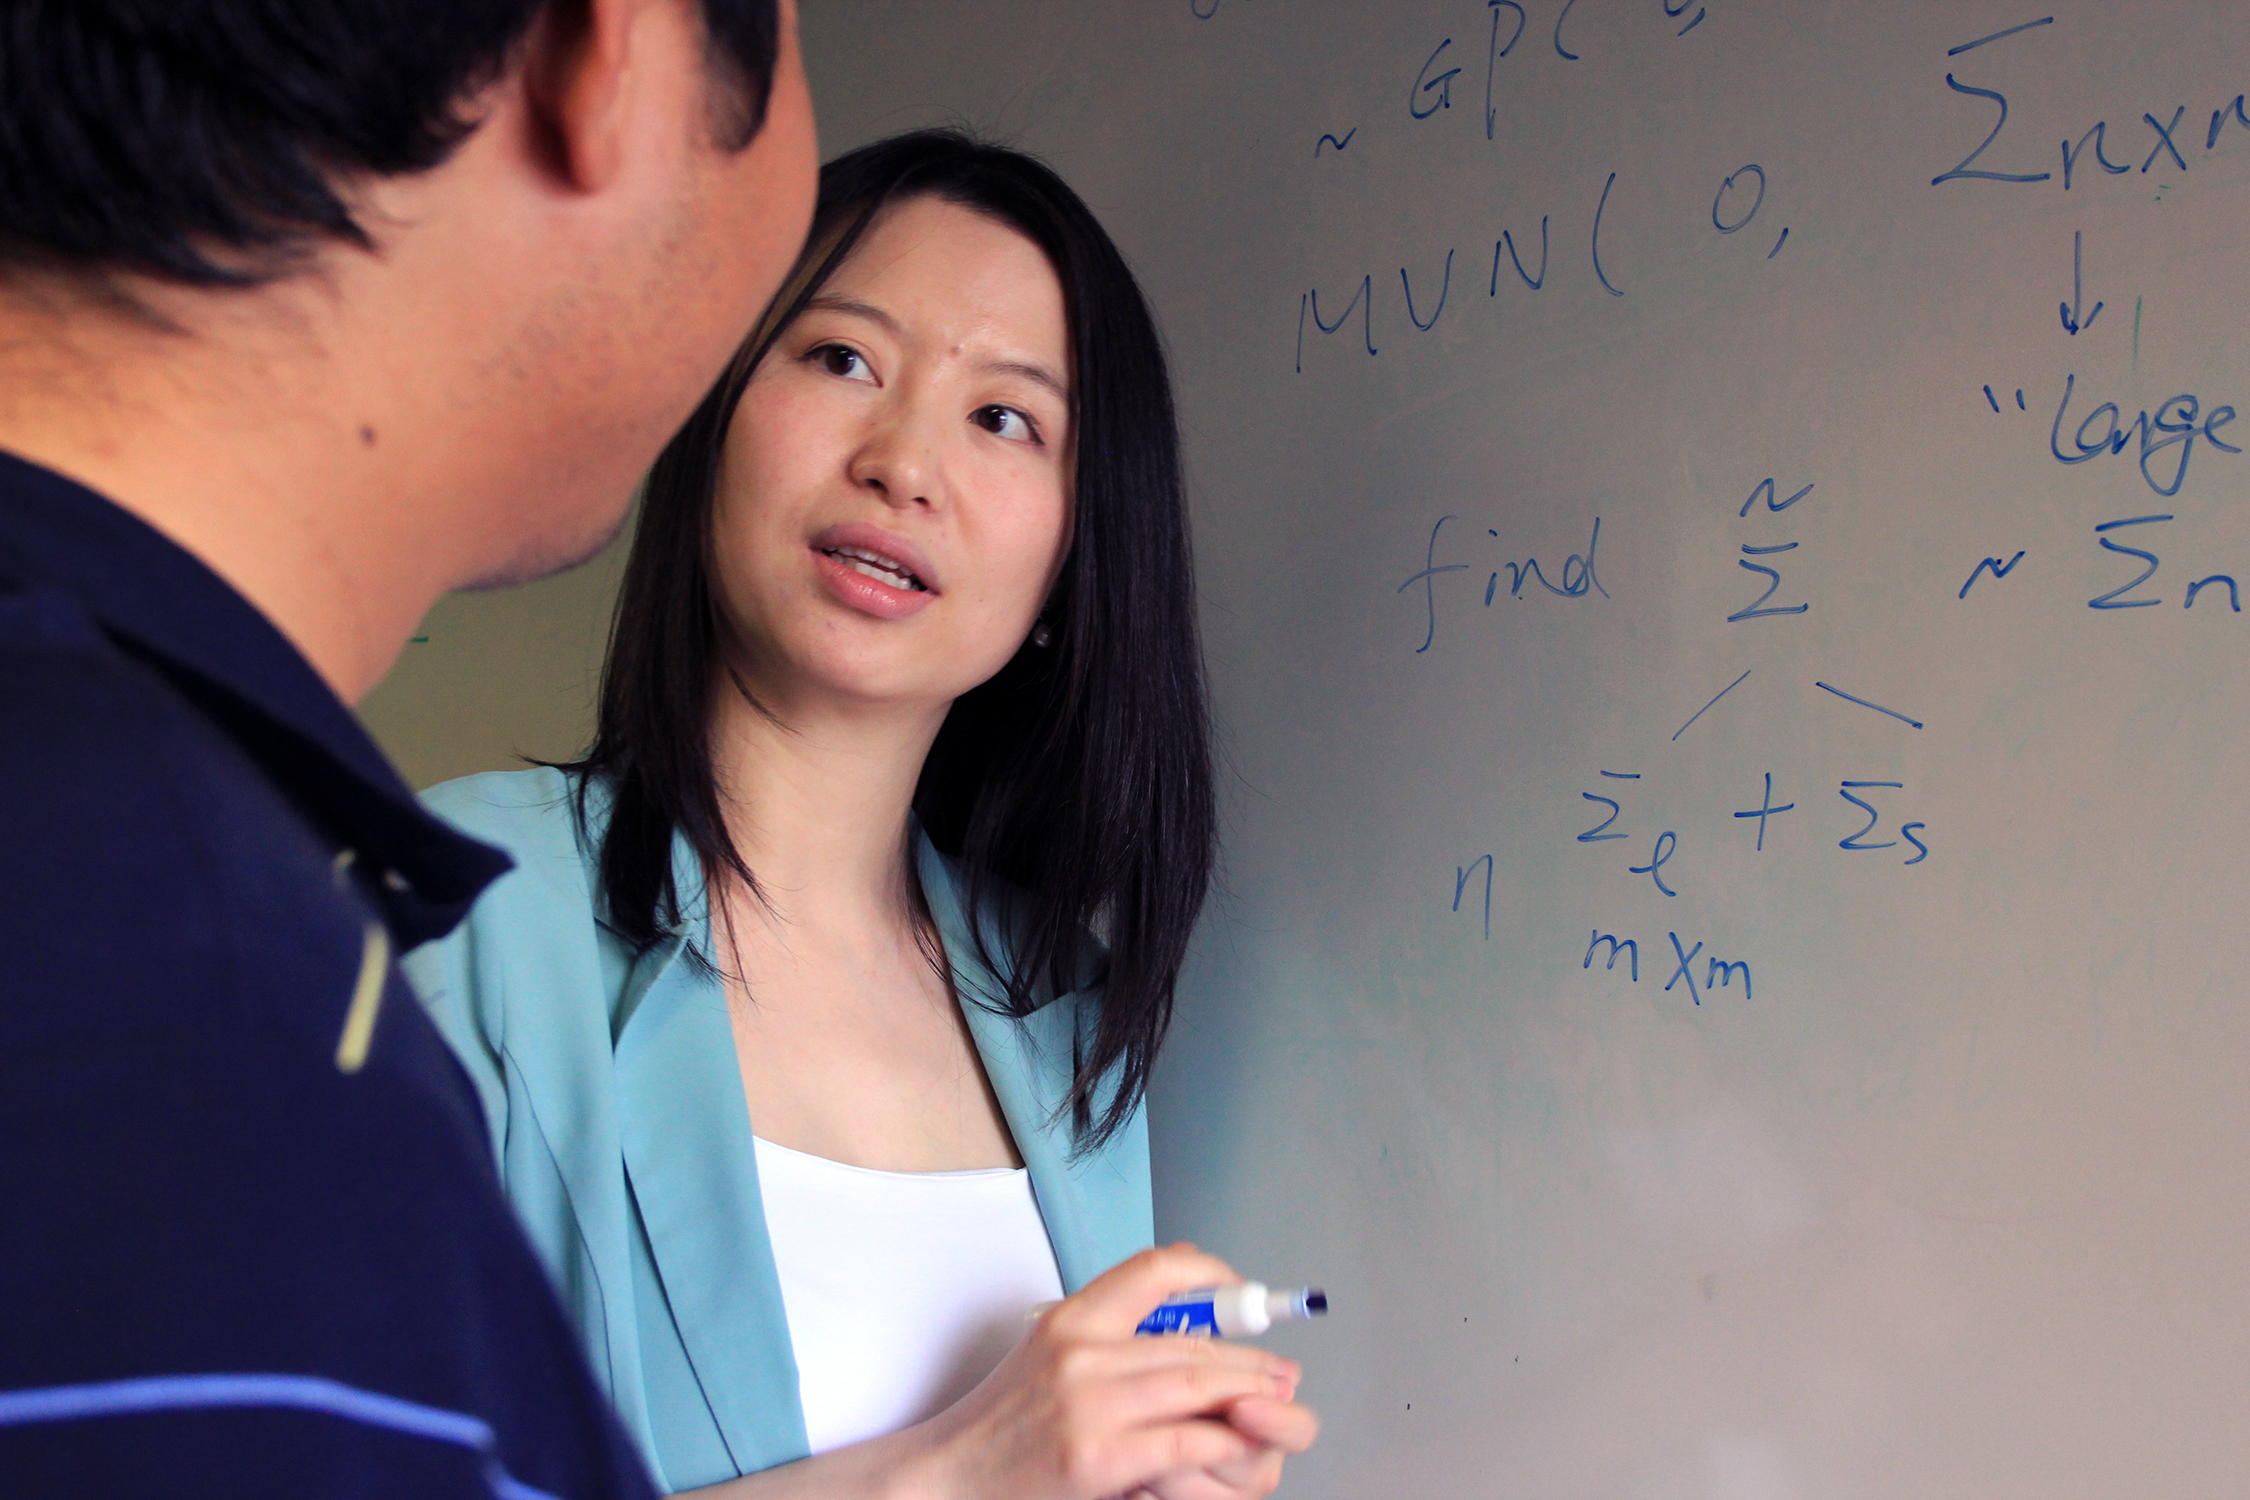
(878, 567)
(875, 571)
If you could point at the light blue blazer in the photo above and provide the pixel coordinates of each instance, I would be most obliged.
(617, 1114)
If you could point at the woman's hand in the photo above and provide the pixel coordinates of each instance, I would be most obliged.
(1278, 1428)
(1083, 1409)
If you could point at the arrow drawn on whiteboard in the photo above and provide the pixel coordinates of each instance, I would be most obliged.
(2070, 320)
(2077, 288)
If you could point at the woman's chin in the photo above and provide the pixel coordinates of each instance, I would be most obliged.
(860, 686)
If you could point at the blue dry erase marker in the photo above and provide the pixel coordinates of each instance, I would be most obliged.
(1233, 1312)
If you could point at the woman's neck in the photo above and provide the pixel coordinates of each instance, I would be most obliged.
(817, 798)
(846, 1030)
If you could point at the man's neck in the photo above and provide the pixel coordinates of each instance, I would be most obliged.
(239, 438)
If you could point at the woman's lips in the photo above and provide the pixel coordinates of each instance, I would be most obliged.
(870, 570)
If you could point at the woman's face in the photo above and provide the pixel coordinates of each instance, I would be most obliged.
(894, 498)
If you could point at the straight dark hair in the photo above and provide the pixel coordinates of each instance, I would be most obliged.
(1075, 785)
(144, 135)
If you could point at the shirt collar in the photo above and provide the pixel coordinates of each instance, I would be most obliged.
(164, 606)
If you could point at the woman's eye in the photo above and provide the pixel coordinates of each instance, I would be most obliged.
(843, 361)
(1007, 422)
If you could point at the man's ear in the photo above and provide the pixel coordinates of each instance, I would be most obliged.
(579, 73)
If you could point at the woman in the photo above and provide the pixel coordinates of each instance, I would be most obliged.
(903, 703)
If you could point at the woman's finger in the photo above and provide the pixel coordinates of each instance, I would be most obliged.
(1141, 1455)
(1282, 1425)
(1117, 1359)
(1175, 1392)
(1113, 1303)
(1256, 1475)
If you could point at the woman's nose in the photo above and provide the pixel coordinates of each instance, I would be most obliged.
(898, 459)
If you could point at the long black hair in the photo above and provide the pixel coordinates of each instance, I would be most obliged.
(1074, 787)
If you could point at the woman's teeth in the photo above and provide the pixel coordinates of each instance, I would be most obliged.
(880, 569)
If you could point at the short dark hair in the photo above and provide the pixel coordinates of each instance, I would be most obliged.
(1080, 774)
(197, 140)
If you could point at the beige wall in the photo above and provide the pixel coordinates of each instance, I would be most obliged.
(499, 676)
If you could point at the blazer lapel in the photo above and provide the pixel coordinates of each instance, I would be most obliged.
(694, 1171)
(554, 1035)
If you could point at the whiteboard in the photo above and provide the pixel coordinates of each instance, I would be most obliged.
(1890, 1143)
(1941, 1193)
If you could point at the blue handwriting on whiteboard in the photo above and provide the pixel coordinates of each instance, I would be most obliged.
(1992, 565)
(1363, 299)
(2178, 422)
(2167, 145)
(1666, 843)
(1444, 286)
(1576, 579)
(1423, 83)
(1667, 846)
(1494, 52)
(1462, 874)
(2163, 143)
(1595, 835)
(1428, 577)
(1766, 809)
(1719, 973)
(2072, 321)
(2114, 598)
(1758, 609)
(1572, 585)
(1857, 841)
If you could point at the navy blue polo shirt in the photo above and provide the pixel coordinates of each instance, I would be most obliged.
(251, 1239)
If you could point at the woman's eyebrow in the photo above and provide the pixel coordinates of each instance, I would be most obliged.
(853, 307)
(1036, 374)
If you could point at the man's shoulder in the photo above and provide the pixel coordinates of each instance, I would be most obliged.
(139, 840)
(76, 702)
(235, 1144)
(85, 717)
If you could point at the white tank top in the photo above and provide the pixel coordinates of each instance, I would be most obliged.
(902, 1289)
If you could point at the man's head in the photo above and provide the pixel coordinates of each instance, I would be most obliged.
(213, 141)
(529, 232)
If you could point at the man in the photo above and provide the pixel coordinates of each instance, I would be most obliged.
(310, 310)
